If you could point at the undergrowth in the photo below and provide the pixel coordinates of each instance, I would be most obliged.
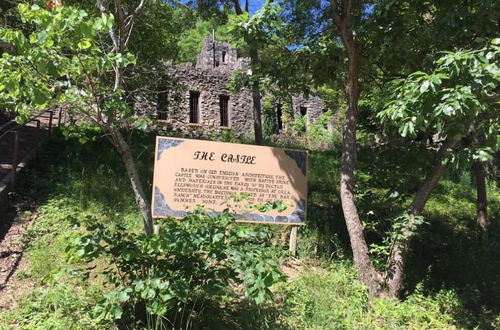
(333, 298)
(452, 273)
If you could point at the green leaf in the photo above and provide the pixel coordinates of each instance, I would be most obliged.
(84, 44)
(404, 130)
(42, 36)
(217, 237)
(117, 313)
(147, 293)
(123, 296)
(141, 124)
(40, 97)
(425, 86)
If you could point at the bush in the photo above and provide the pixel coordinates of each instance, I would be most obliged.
(299, 125)
(334, 299)
(326, 299)
(60, 307)
(154, 277)
(319, 131)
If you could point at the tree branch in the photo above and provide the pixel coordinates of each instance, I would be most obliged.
(112, 34)
(433, 176)
(121, 25)
(129, 22)
(237, 7)
(336, 16)
(139, 7)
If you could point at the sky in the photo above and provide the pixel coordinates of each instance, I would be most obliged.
(253, 5)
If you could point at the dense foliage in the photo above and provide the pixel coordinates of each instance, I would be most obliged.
(164, 272)
(459, 94)
(409, 88)
(93, 190)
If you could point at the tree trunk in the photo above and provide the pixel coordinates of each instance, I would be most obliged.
(140, 197)
(254, 58)
(118, 78)
(257, 116)
(394, 276)
(120, 39)
(366, 271)
(481, 199)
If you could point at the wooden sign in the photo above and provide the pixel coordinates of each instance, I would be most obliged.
(188, 173)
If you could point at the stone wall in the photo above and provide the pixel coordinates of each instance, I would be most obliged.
(210, 77)
(210, 84)
(313, 104)
(220, 57)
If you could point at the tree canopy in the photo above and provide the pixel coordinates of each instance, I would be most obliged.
(420, 78)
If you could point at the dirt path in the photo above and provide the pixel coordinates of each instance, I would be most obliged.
(12, 230)
(18, 214)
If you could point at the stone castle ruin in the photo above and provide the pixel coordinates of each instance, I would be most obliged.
(206, 105)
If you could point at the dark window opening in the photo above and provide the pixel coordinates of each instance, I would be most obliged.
(303, 111)
(279, 114)
(216, 64)
(162, 105)
(194, 100)
(224, 110)
(223, 56)
(327, 123)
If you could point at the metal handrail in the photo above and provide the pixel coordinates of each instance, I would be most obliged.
(32, 119)
(15, 131)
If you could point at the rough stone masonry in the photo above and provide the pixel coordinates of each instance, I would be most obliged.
(206, 105)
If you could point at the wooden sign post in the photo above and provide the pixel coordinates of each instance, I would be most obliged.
(189, 173)
(292, 246)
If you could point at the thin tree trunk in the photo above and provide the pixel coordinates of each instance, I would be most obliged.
(118, 78)
(433, 177)
(482, 198)
(237, 7)
(140, 197)
(394, 276)
(257, 107)
(257, 125)
(120, 39)
(366, 271)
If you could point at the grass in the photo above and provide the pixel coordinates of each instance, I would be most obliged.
(452, 274)
(59, 306)
(333, 298)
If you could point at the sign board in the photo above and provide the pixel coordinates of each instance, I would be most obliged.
(188, 173)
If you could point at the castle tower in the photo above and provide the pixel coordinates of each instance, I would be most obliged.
(218, 55)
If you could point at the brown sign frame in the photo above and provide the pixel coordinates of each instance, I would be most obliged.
(172, 164)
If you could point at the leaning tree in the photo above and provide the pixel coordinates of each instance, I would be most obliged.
(63, 61)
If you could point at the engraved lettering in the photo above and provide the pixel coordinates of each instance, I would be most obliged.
(204, 155)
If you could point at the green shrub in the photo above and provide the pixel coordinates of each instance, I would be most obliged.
(326, 299)
(334, 299)
(154, 277)
(322, 131)
(60, 307)
(299, 125)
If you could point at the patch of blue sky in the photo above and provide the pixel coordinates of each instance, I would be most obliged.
(253, 5)
(318, 20)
